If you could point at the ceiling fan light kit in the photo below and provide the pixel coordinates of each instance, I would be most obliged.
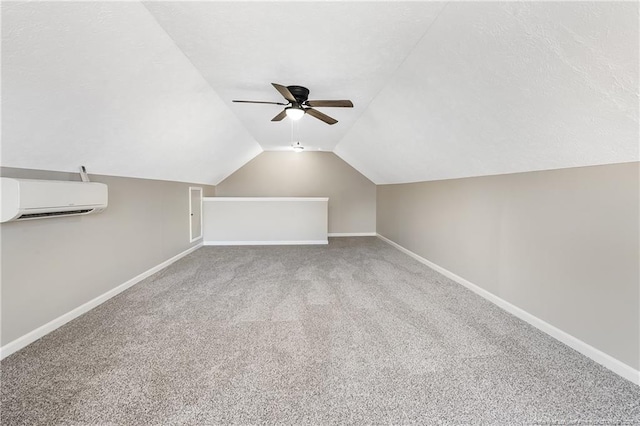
(294, 112)
(299, 105)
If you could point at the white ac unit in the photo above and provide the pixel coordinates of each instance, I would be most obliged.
(24, 199)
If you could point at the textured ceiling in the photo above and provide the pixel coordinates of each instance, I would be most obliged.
(336, 50)
(102, 85)
(506, 87)
(440, 91)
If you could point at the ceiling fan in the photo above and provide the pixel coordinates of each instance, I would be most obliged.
(299, 105)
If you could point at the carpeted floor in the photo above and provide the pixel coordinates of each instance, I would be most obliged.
(353, 332)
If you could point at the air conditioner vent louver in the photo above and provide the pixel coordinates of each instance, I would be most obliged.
(67, 213)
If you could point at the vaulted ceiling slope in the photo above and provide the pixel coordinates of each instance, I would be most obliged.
(498, 88)
(441, 90)
(102, 85)
(338, 50)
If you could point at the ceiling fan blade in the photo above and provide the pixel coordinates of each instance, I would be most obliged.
(280, 116)
(336, 104)
(260, 102)
(285, 92)
(320, 116)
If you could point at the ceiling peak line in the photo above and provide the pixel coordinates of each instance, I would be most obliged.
(383, 86)
(173, 41)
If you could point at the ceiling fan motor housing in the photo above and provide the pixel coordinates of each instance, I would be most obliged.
(300, 93)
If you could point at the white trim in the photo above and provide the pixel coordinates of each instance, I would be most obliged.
(265, 199)
(597, 355)
(265, 243)
(192, 238)
(41, 331)
(352, 234)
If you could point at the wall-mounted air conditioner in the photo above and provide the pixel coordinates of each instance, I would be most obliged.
(24, 199)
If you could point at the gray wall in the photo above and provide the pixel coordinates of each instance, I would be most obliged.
(51, 266)
(352, 197)
(561, 244)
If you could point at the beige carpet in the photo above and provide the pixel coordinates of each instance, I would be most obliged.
(351, 333)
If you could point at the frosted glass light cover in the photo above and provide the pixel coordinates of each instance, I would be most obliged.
(294, 113)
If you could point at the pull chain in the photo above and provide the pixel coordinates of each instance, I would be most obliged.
(294, 130)
(292, 140)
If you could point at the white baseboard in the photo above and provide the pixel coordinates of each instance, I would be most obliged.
(352, 234)
(589, 351)
(41, 331)
(265, 243)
